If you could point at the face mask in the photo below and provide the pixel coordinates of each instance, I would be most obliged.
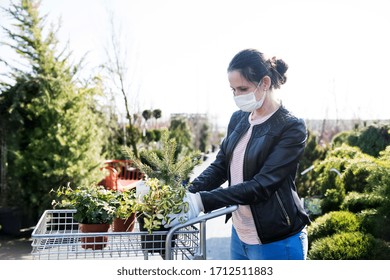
(248, 102)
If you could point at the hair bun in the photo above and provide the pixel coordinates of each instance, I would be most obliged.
(281, 66)
(278, 69)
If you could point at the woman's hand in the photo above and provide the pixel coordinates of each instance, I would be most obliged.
(195, 206)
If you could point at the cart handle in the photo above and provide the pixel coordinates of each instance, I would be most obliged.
(200, 219)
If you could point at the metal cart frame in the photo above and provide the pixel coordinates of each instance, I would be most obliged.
(57, 236)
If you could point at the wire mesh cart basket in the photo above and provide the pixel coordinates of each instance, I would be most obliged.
(57, 236)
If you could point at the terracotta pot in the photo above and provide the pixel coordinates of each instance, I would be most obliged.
(97, 242)
(124, 225)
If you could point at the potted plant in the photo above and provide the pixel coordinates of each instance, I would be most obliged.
(164, 187)
(125, 213)
(158, 203)
(95, 210)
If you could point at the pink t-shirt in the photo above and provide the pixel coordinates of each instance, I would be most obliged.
(242, 217)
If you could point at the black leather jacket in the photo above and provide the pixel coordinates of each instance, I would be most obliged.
(270, 165)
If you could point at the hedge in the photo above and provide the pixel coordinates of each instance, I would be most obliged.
(349, 246)
(331, 223)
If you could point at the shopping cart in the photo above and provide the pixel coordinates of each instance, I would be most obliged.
(57, 236)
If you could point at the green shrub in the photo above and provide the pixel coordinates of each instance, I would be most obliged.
(344, 137)
(349, 246)
(313, 153)
(385, 155)
(370, 140)
(380, 177)
(356, 176)
(325, 178)
(332, 200)
(331, 223)
(373, 222)
(359, 173)
(345, 152)
(374, 139)
(356, 202)
(338, 159)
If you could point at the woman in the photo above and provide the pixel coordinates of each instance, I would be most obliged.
(259, 157)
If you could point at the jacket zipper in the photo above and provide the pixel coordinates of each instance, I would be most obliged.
(283, 209)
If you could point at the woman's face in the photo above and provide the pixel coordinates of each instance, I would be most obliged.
(240, 85)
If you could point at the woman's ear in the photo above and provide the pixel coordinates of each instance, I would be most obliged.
(266, 83)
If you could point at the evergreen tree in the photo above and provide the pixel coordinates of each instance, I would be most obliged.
(52, 126)
(164, 164)
(179, 130)
(156, 113)
(204, 136)
(147, 114)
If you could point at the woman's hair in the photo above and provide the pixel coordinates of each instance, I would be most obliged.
(253, 66)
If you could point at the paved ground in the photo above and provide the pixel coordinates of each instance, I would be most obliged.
(218, 235)
(217, 232)
(15, 248)
(218, 239)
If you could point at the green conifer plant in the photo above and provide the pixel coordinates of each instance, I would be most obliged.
(166, 178)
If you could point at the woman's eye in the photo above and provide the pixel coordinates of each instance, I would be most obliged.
(240, 91)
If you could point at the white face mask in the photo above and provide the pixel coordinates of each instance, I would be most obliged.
(247, 102)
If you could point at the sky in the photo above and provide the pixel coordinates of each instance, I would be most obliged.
(177, 52)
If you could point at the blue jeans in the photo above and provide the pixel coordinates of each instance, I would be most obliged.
(292, 248)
